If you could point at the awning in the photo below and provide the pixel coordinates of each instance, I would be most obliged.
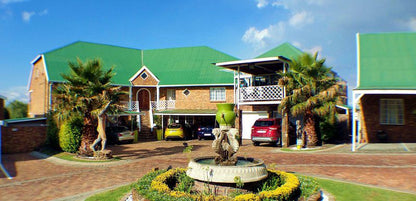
(260, 66)
(179, 112)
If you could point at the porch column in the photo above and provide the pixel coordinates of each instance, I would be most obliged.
(355, 100)
(157, 97)
(285, 128)
(238, 87)
(130, 96)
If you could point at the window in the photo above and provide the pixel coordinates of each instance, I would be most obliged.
(171, 94)
(186, 92)
(217, 94)
(143, 75)
(392, 111)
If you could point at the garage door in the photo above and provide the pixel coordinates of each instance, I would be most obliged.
(248, 119)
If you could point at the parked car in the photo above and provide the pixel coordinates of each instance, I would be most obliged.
(118, 134)
(174, 131)
(205, 132)
(268, 130)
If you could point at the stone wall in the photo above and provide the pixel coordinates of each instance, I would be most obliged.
(370, 108)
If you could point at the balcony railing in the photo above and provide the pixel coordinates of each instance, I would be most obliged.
(262, 93)
(163, 105)
(134, 105)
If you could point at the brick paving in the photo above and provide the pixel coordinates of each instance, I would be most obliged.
(49, 179)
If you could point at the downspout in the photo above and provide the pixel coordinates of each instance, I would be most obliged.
(1, 164)
(238, 87)
(50, 97)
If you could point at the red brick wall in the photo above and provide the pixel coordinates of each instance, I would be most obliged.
(19, 139)
(39, 98)
(370, 108)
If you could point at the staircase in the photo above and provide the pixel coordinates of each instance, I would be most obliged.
(145, 133)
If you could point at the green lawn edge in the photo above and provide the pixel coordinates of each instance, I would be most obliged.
(341, 191)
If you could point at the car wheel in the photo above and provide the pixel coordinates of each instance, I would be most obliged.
(278, 143)
(199, 138)
(256, 143)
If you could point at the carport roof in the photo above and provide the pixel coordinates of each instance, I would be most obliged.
(183, 112)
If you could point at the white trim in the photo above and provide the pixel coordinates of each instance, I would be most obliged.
(182, 114)
(140, 71)
(260, 103)
(197, 85)
(385, 91)
(36, 59)
(45, 69)
(258, 60)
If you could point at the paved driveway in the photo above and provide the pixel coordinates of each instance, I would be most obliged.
(49, 179)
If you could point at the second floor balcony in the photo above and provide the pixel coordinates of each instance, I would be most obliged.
(260, 94)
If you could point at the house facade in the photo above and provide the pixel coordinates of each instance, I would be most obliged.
(174, 83)
(384, 102)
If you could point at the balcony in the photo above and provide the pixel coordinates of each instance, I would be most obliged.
(163, 105)
(270, 94)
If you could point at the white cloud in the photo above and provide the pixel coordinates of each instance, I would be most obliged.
(315, 49)
(4, 2)
(262, 3)
(300, 19)
(412, 24)
(27, 15)
(260, 38)
(16, 93)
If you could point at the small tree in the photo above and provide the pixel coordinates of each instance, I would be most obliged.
(17, 109)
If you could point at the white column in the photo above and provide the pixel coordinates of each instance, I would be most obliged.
(157, 97)
(130, 96)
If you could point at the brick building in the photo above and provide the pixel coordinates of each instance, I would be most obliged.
(384, 101)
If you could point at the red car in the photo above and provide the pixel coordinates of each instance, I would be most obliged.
(266, 131)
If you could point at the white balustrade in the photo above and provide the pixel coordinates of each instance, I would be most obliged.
(262, 93)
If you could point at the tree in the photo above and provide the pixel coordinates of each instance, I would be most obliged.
(312, 90)
(17, 109)
(86, 91)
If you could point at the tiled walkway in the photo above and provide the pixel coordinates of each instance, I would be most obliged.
(48, 179)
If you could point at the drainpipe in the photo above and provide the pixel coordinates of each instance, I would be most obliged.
(1, 164)
(50, 96)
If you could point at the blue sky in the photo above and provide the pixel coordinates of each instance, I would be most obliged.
(241, 28)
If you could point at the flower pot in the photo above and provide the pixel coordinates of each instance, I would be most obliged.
(225, 115)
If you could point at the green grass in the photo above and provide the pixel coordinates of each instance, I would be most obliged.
(346, 191)
(111, 195)
(70, 156)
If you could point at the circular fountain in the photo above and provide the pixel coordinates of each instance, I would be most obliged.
(226, 169)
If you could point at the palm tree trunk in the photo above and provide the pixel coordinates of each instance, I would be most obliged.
(310, 128)
(89, 134)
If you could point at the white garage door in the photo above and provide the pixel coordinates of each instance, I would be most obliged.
(248, 119)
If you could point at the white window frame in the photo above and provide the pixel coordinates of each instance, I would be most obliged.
(171, 94)
(391, 111)
(217, 94)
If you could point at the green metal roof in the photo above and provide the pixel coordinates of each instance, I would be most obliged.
(188, 66)
(387, 61)
(126, 61)
(174, 66)
(286, 49)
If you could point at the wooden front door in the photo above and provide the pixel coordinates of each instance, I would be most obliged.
(144, 100)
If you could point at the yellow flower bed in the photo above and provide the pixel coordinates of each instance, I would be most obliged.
(291, 184)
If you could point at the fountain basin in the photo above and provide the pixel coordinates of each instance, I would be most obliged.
(248, 169)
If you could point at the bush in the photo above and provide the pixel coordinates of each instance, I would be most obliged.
(70, 135)
(327, 129)
(52, 133)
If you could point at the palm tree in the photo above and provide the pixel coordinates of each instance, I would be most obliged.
(86, 91)
(312, 90)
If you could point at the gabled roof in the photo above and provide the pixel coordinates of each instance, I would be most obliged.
(286, 50)
(188, 66)
(126, 61)
(386, 61)
(173, 66)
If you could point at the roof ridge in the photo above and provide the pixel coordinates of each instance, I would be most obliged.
(179, 47)
(86, 42)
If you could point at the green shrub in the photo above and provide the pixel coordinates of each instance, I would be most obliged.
(308, 186)
(52, 133)
(328, 129)
(70, 135)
